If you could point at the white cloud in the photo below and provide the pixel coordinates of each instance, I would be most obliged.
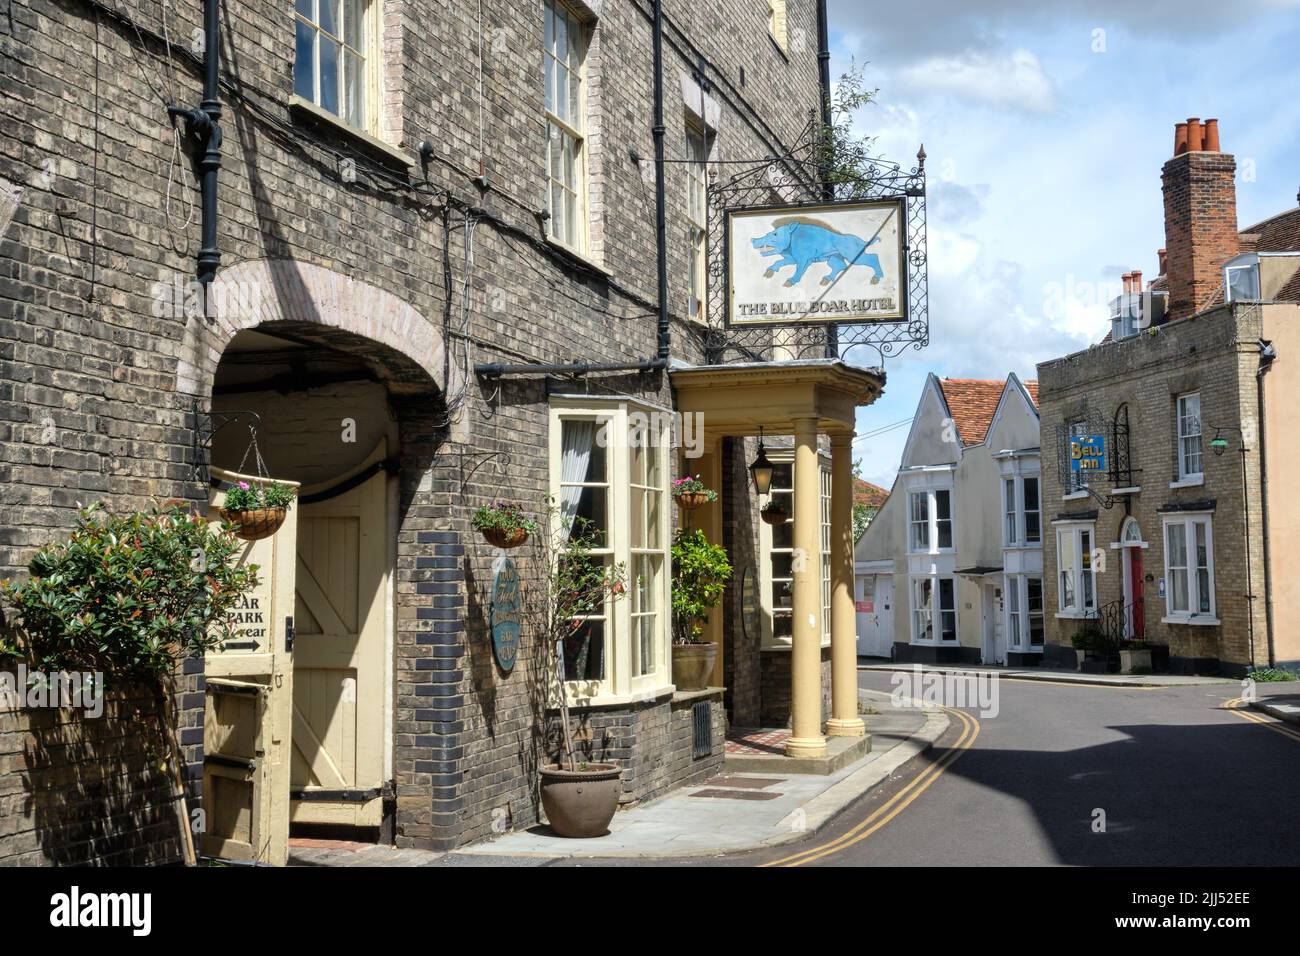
(1013, 80)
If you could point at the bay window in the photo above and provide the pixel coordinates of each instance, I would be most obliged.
(1077, 594)
(1022, 517)
(776, 545)
(609, 476)
(1024, 612)
(934, 609)
(1189, 570)
(930, 520)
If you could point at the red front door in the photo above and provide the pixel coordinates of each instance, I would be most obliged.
(1136, 617)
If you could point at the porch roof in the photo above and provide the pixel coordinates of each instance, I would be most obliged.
(740, 398)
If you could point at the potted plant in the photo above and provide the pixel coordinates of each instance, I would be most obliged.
(690, 492)
(700, 574)
(774, 512)
(579, 796)
(503, 525)
(130, 596)
(1134, 657)
(257, 510)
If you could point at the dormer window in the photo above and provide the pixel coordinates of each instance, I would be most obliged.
(1241, 278)
(1125, 315)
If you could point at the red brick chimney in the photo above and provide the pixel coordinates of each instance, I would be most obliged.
(1200, 216)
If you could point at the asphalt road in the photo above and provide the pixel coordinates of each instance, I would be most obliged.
(1176, 779)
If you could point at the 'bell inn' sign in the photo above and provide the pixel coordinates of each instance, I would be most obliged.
(1087, 453)
(834, 262)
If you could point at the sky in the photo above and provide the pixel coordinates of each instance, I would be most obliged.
(1045, 127)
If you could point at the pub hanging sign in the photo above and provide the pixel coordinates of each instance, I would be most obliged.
(831, 262)
(1087, 453)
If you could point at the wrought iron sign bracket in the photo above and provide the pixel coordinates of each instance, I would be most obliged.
(206, 426)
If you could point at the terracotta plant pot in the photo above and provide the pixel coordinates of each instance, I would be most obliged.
(693, 665)
(502, 538)
(691, 500)
(256, 523)
(580, 803)
(774, 515)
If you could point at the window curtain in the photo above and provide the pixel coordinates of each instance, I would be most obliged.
(577, 439)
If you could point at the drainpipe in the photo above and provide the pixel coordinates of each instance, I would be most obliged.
(1266, 356)
(202, 125)
(661, 223)
(828, 189)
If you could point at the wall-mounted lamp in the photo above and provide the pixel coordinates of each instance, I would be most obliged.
(761, 468)
(1218, 443)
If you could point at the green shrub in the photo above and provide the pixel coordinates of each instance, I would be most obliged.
(129, 594)
(700, 574)
(1266, 675)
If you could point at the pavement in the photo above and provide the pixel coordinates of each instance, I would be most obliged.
(1056, 676)
(739, 812)
(1280, 705)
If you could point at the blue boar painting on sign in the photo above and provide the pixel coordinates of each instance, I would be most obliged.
(831, 262)
(800, 241)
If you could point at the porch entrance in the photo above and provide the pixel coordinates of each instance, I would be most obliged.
(1134, 579)
(340, 658)
(995, 642)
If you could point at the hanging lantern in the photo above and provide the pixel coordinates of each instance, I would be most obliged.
(761, 468)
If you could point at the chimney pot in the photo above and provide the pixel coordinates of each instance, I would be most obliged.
(1126, 278)
(1211, 136)
(1195, 141)
(1137, 281)
(1180, 138)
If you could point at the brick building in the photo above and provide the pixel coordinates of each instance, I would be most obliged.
(424, 214)
(1181, 538)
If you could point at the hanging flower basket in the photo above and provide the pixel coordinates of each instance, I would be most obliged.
(691, 493)
(257, 510)
(693, 500)
(505, 537)
(256, 523)
(774, 514)
(503, 525)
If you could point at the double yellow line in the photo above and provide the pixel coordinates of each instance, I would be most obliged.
(1239, 707)
(895, 804)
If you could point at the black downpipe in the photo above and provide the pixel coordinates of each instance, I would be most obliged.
(661, 221)
(501, 370)
(828, 188)
(1267, 355)
(202, 125)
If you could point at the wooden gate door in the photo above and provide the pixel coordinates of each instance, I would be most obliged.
(246, 725)
(340, 657)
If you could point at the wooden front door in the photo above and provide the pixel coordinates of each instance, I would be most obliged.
(1135, 623)
(246, 723)
(340, 652)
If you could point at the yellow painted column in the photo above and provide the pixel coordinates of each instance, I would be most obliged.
(844, 721)
(806, 739)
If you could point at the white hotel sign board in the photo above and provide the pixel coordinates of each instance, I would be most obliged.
(837, 262)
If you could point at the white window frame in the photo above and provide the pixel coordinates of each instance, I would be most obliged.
(1081, 568)
(776, 24)
(917, 613)
(1015, 512)
(767, 580)
(1248, 263)
(1188, 523)
(572, 131)
(619, 418)
(930, 523)
(697, 217)
(369, 52)
(1020, 617)
(1183, 427)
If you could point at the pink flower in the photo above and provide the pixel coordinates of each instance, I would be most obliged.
(243, 485)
